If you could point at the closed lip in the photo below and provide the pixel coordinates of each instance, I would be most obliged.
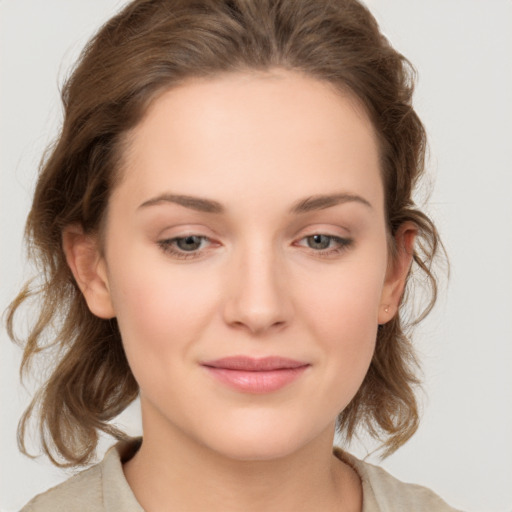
(256, 375)
(255, 364)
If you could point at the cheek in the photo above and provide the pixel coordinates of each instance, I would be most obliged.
(346, 323)
(342, 310)
(348, 338)
(160, 309)
(347, 298)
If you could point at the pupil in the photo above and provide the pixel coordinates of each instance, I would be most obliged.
(189, 243)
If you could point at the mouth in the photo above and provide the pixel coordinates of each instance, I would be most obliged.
(256, 375)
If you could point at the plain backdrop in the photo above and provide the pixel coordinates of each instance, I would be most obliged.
(462, 51)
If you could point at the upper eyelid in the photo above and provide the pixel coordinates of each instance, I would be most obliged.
(219, 230)
(334, 226)
(217, 235)
(172, 232)
(169, 239)
(325, 232)
(213, 239)
(343, 241)
(334, 237)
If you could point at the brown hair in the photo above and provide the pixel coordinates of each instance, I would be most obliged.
(151, 46)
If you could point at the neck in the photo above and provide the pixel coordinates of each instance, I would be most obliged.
(173, 472)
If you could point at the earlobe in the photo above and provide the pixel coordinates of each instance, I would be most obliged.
(397, 272)
(89, 269)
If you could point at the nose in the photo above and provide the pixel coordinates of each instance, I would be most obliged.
(258, 295)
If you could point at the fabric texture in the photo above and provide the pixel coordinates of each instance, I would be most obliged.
(103, 488)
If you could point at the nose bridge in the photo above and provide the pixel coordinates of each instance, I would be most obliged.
(258, 299)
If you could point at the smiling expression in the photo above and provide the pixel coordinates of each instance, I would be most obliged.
(246, 260)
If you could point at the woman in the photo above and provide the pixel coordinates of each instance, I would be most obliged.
(226, 228)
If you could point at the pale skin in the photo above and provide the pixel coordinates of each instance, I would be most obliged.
(249, 220)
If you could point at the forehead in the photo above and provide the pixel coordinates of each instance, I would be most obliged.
(243, 130)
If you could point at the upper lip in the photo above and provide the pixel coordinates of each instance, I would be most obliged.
(254, 364)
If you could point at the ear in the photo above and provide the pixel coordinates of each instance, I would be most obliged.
(398, 269)
(89, 269)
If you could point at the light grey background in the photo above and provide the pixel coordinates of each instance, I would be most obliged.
(461, 49)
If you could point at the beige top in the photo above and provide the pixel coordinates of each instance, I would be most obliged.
(103, 488)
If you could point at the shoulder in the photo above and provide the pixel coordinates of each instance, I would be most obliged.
(96, 489)
(382, 492)
(81, 492)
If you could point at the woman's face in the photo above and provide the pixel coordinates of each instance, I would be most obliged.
(246, 261)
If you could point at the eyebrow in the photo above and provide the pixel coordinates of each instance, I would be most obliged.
(194, 203)
(312, 203)
(321, 202)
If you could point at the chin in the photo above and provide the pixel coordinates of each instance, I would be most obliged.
(262, 441)
(251, 450)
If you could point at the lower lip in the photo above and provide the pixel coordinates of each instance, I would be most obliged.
(257, 381)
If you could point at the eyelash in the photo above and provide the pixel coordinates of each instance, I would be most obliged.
(169, 246)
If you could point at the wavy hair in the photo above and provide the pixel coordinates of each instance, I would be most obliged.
(149, 47)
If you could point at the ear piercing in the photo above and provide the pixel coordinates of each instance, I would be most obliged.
(386, 310)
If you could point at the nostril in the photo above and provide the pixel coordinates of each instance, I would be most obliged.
(257, 328)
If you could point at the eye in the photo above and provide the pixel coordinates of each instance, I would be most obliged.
(184, 247)
(325, 245)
